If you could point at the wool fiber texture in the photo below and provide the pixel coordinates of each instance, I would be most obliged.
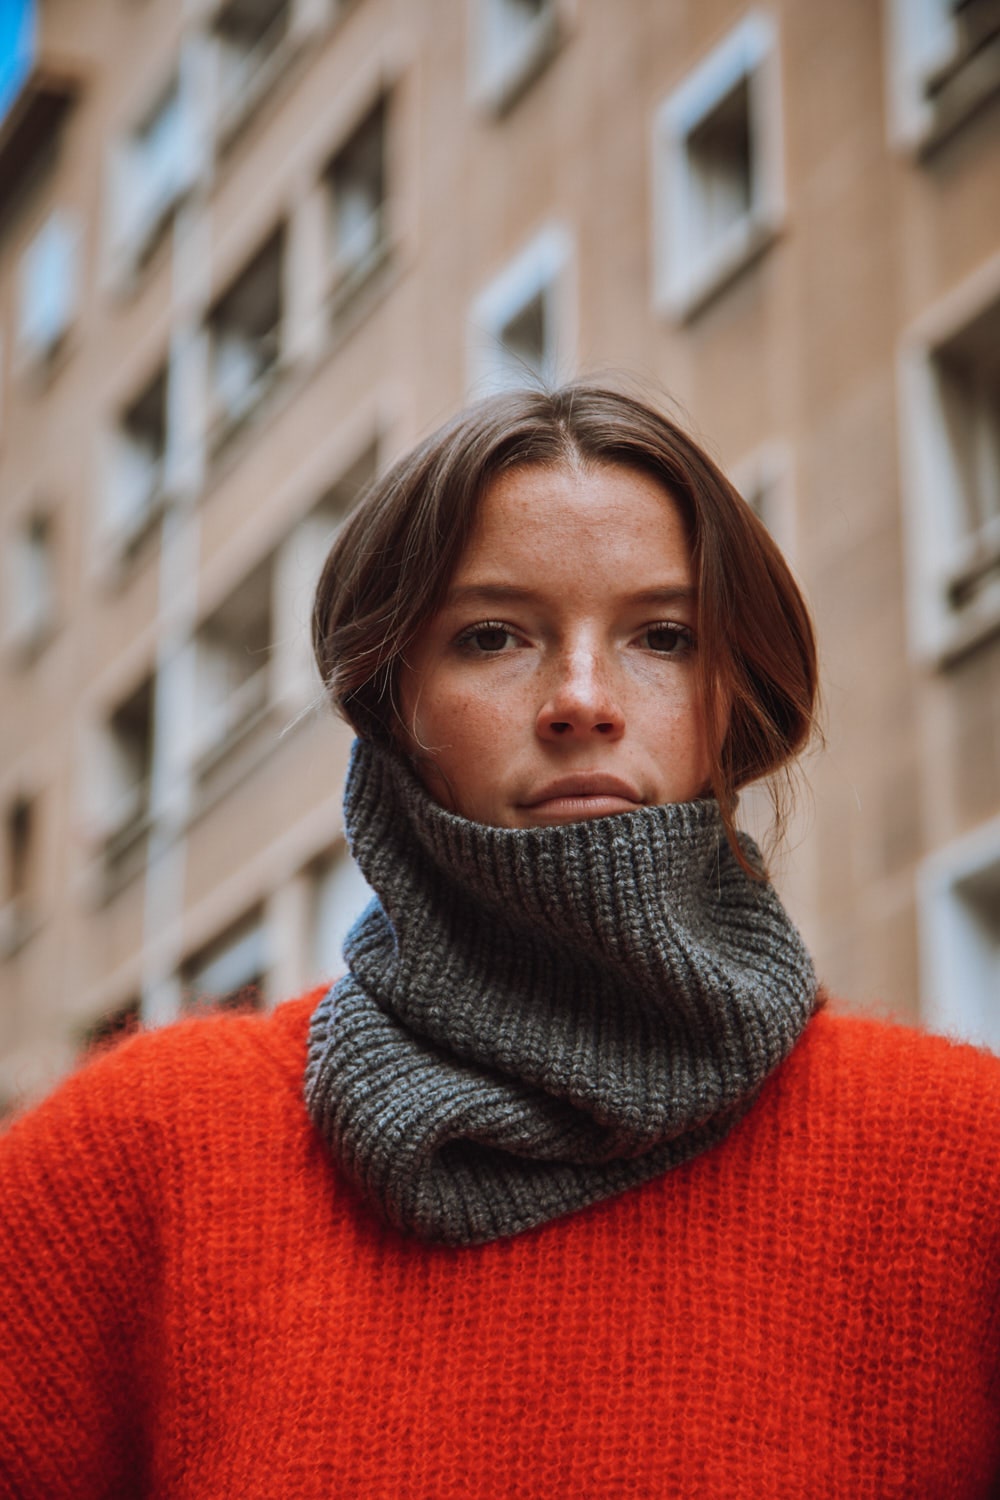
(536, 1019)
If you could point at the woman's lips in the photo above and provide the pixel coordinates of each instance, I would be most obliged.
(583, 796)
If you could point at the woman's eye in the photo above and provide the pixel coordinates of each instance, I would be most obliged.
(490, 638)
(666, 638)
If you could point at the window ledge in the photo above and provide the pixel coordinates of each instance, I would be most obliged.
(498, 88)
(936, 121)
(124, 854)
(18, 925)
(249, 745)
(25, 642)
(238, 718)
(227, 425)
(38, 368)
(236, 112)
(688, 295)
(125, 542)
(974, 626)
(352, 287)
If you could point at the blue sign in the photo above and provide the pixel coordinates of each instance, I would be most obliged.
(18, 40)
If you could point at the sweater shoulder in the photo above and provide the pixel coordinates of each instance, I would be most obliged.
(872, 1044)
(900, 1084)
(144, 1081)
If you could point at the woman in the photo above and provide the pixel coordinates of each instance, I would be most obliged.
(583, 1192)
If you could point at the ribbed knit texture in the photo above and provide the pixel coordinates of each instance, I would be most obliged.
(195, 1304)
(535, 1019)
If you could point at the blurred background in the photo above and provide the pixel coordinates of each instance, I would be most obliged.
(251, 250)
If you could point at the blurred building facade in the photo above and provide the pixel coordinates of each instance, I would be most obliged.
(251, 250)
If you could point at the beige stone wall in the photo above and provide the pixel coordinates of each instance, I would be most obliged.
(790, 369)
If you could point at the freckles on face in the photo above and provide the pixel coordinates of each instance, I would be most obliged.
(558, 679)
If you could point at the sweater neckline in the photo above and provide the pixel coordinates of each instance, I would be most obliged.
(535, 1019)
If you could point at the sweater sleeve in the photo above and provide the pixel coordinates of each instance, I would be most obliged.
(78, 1283)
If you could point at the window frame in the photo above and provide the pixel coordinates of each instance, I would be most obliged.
(37, 350)
(347, 277)
(219, 728)
(497, 84)
(137, 232)
(922, 42)
(124, 527)
(27, 629)
(20, 899)
(958, 972)
(940, 632)
(687, 274)
(222, 424)
(545, 266)
(769, 469)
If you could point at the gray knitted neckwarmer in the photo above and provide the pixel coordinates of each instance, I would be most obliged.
(535, 1019)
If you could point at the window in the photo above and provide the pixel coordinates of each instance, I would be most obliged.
(126, 773)
(764, 479)
(340, 895)
(48, 289)
(254, 41)
(152, 172)
(513, 40)
(960, 937)
(357, 177)
(114, 1026)
(944, 62)
(299, 563)
(138, 487)
(245, 331)
(950, 388)
(17, 914)
(718, 161)
(233, 657)
(520, 325)
(232, 970)
(30, 589)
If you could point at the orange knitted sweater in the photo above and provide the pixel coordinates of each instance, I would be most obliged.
(195, 1304)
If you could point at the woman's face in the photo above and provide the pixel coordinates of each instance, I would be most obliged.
(557, 682)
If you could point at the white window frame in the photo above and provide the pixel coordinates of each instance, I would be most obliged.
(959, 945)
(348, 271)
(501, 72)
(688, 273)
(337, 882)
(262, 68)
(545, 266)
(922, 38)
(241, 954)
(223, 713)
(48, 288)
(128, 513)
(123, 813)
(19, 908)
(299, 560)
(769, 469)
(30, 583)
(932, 504)
(138, 218)
(228, 412)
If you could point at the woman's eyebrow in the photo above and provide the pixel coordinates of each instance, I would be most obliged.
(489, 593)
(505, 593)
(672, 594)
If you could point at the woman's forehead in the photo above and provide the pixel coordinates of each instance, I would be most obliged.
(600, 526)
(609, 502)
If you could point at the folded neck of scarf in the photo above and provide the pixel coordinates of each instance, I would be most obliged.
(536, 1019)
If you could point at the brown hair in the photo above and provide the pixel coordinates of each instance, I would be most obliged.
(391, 565)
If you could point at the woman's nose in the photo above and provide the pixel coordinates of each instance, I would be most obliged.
(581, 701)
